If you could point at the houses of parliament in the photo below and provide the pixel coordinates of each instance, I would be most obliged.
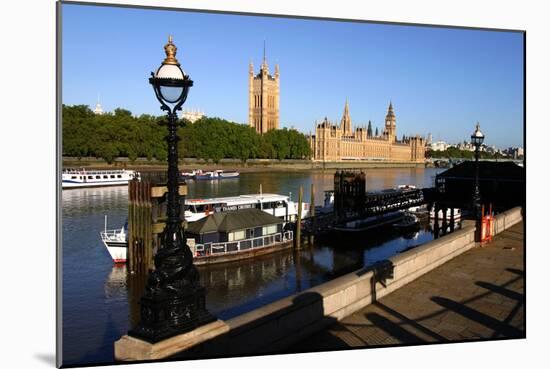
(331, 142)
(336, 143)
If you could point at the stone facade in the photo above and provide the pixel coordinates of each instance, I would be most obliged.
(336, 143)
(263, 98)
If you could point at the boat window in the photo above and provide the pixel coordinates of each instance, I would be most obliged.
(269, 229)
(235, 236)
(105, 176)
(119, 175)
(199, 208)
(73, 177)
(80, 177)
(112, 176)
(90, 177)
(97, 177)
(267, 205)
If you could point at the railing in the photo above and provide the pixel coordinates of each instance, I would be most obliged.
(218, 248)
(113, 235)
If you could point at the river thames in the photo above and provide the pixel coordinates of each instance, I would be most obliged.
(100, 298)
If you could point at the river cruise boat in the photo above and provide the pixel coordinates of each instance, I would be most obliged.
(116, 242)
(75, 178)
(280, 206)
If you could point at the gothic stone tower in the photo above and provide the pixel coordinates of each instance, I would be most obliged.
(263, 98)
(389, 129)
(345, 123)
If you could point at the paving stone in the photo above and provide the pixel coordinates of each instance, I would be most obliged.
(470, 297)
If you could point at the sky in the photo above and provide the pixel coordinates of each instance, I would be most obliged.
(439, 80)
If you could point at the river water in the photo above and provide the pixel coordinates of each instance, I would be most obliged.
(100, 298)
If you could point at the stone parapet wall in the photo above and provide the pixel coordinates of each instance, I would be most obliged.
(505, 220)
(278, 325)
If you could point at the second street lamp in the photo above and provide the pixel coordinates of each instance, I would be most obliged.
(174, 300)
(476, 140)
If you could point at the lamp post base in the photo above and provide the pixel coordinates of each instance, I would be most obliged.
(166, 315)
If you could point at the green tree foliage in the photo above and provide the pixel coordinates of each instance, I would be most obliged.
(120, 134)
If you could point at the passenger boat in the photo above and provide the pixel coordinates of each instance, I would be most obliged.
(369, 223)
(73, 178)
(280, 206)
(116, 242)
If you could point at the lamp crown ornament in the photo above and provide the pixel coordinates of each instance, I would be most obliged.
(170, 49)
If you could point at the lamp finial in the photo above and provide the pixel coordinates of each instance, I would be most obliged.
(170, 49)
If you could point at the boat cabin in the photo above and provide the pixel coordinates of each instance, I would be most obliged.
(235, 225)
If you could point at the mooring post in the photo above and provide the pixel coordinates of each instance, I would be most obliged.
(436, 221)
(297, 237)
(452, 219)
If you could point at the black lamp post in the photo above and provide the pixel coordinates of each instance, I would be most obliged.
(174, 301)
(476, 140)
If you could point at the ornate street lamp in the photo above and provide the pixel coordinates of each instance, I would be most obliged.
(476, 140)
(174, 301)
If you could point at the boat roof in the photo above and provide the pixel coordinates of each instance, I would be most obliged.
(229, 221)
(241, 199)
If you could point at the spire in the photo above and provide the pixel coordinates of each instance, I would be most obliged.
(345, 123)
(390, 111)
(369, 130)
(264, 62)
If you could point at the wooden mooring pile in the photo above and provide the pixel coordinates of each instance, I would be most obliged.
(146, 219)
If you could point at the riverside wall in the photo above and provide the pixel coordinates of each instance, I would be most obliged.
(274, 327)
(250, 165)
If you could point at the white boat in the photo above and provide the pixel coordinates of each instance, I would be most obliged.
(280, 206)
(447, 214)
(227, 175)
(215, 174)
(74, 178)
(116, 242)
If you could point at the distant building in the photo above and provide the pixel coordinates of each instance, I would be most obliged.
(263, 98)
(439, 146)
(334, 143)
(98, 110)
(192, 115)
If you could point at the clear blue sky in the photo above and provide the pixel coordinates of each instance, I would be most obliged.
(441, 81)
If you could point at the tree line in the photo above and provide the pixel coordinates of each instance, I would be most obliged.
(120, 134)
(453, 152)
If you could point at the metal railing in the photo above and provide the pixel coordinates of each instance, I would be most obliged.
(218, 248)
(113, 235)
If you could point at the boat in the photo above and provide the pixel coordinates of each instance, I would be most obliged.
(116, 242)
(280, 206)
(188, 175)
(200, 175)
(407, 222)
(227, 175)
(369, 223)
(77, 178)
(236, 235)
(216, 174)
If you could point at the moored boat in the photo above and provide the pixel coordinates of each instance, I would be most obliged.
(116, 242)
(77, 178)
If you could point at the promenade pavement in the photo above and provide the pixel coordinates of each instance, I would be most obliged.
(477, 295)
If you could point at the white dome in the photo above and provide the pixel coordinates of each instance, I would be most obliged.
(170, 71)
